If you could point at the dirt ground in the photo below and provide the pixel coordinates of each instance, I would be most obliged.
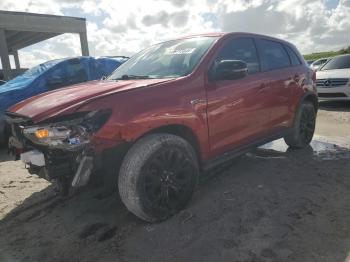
(272, 204)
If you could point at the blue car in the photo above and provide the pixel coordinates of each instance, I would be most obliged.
(52, 75)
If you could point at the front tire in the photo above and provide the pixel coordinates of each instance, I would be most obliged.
(304, 127)
(158, 176)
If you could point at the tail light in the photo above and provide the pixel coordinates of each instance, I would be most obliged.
(314, 75)
(311, 77)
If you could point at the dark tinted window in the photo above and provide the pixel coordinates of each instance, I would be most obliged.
(56, 78)
(75, 72)
(273, 55)
(241, 49)
(293, 56)
(338, 63)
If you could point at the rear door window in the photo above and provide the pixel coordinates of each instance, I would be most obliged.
(272, 55)
(241, 49)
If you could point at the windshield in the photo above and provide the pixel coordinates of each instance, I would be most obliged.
(339, 62)
(166, 60)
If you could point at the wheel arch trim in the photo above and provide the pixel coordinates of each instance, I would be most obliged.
(181, 130)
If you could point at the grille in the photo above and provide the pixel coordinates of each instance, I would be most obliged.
(332, 82)
(331, 95)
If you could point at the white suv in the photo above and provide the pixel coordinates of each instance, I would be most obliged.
(332, 79)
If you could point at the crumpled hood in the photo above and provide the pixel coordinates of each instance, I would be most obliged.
(52, 103)
(335, 73)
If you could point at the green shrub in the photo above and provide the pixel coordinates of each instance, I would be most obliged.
(315, 56)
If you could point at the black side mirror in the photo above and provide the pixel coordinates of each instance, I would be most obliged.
(230, 70)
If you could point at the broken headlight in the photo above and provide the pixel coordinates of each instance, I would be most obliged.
(71, 130)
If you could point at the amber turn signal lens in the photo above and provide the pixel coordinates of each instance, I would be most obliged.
(42, 133)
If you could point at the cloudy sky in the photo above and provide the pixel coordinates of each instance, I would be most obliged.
(119, 27)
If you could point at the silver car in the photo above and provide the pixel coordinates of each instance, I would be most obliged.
(332, 79)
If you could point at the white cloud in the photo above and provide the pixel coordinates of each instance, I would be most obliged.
(117, 27)
(34, 6)
(58, 47)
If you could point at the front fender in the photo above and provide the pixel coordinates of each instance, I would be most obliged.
(138, 112)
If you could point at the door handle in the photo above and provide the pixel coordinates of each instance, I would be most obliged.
(197, 101)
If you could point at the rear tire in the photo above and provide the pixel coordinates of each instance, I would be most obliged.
(158, 176)
(304, 127)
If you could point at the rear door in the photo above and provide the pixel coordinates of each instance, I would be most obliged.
(276, 65)
(237, 110)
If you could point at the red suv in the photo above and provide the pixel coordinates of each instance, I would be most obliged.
(171, 111)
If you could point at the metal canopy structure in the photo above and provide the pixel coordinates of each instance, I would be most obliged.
(20, 29)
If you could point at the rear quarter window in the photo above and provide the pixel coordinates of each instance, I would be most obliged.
(293, 56)
(272, 55)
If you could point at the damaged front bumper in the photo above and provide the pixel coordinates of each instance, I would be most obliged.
(74, 167)
(70, 159)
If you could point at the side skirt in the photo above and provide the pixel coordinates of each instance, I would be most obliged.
(229, 155)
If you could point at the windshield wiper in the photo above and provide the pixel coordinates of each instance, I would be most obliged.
(127, 77)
